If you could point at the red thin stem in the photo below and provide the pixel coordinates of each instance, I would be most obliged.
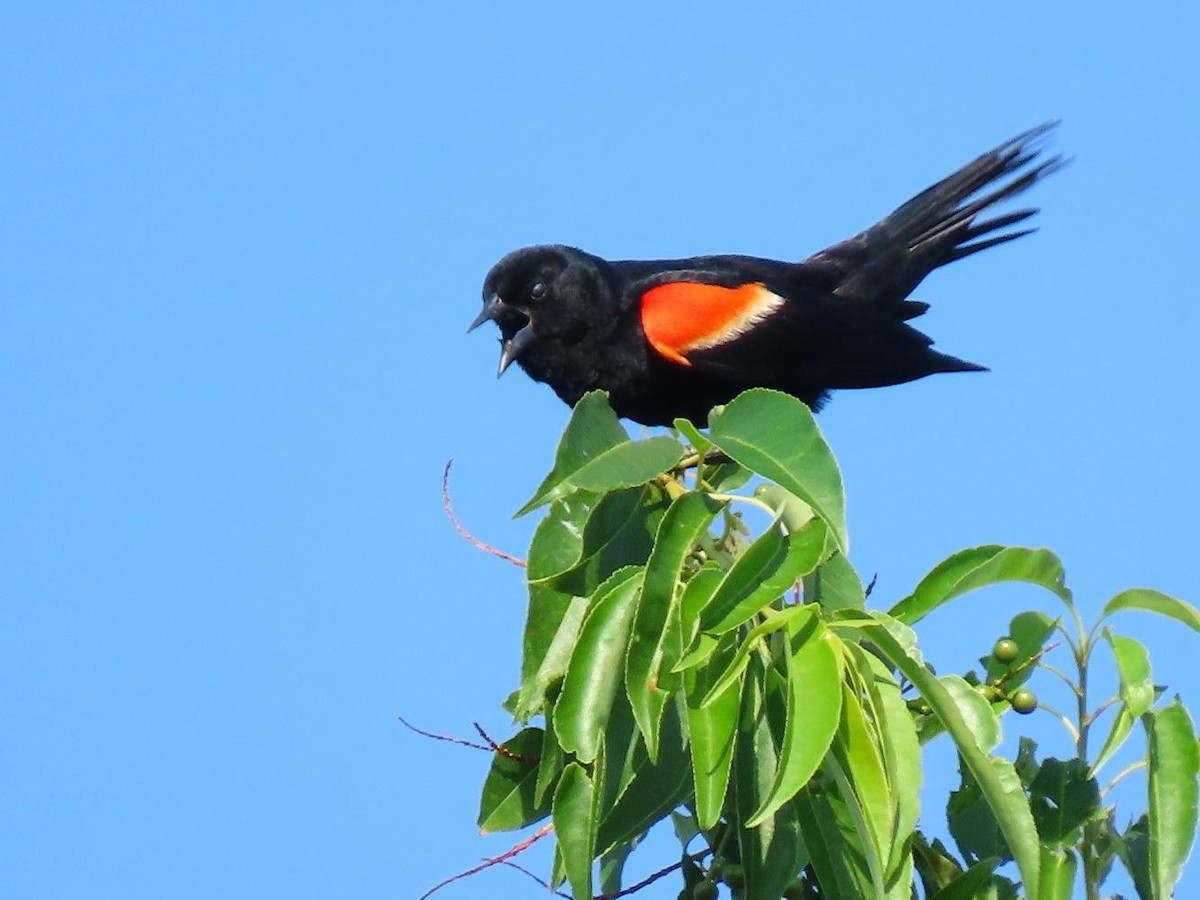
(486, 548)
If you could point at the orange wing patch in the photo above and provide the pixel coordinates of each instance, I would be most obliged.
(681, 316)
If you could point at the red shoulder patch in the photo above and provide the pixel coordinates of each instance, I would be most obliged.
(681, 316)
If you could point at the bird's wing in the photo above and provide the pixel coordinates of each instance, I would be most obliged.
(681, 317)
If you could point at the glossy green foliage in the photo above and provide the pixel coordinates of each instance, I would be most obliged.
(678, 663)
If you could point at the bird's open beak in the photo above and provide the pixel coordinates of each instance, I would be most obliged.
(493, 309)
(514, 347)
(490, 310)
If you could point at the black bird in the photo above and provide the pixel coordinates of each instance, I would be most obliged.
(673, 338)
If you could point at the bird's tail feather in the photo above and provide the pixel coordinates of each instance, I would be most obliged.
(883, 264)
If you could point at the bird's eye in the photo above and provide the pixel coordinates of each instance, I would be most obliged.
(538, 291)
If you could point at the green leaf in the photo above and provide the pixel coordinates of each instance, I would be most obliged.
(552, 760)
(1058, 873)
(835, 585)
(592, 430)
(557, 544)
(1149, 600)
(1062, 796)
(693, 435)
(622, 753)
(894, 727)
(651, 790)
(697, 594)
(725, 477)
(551, 627)
(595, 454)
(814, 674)
(712, 728)
(772, 853)
(574, 817)
(973, 711)
(832, 843)
(997, 778)
(657, 640)
(1134, 850)
(1174, 764)
(791, 510)
(972, 821)
(760, 575)
(628, 465)
(578, 545)
(1122, 725)
(975, 568)
(934, 864)
(619, 532)
(593, 674)
(774, 434)
(859, 756)
(752, 642)
(969, 884)
(508, 800)
(612, 866)
(1133, 670)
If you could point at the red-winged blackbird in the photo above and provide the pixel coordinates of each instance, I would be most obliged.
(673, 338)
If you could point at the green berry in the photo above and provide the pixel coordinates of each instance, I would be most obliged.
(733, 874)
(705, 890)
(1023, 701)
(1006, 651)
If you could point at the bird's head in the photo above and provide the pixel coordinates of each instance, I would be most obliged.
(539, 296)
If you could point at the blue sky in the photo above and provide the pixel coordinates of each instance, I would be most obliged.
(241, 244)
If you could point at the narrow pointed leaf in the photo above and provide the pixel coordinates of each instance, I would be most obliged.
(623, 466)
(1148, 600)
(552, 760)
(627, 465)
(814, 707)
(652, 790)
(1118, 732)
(612, 866)
(509, 797)
(835, 585)
(750, 643)
(697, 594)
(1134, 850)
(833, 845)
(775, 435)
(769, 566)
(1133, 670)
(855, 748)
(1174, 765)
(857, 819)
(552, 626)
(557, 544)
(895, 728)
(976, 568)
(586, 537)
(969, 884)
(772, 853)
(656, 643)
(593, 674)
(996, 777)
(575, 826)
(592, 429)
(693, 436)
(712, 728)
(973, 711)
